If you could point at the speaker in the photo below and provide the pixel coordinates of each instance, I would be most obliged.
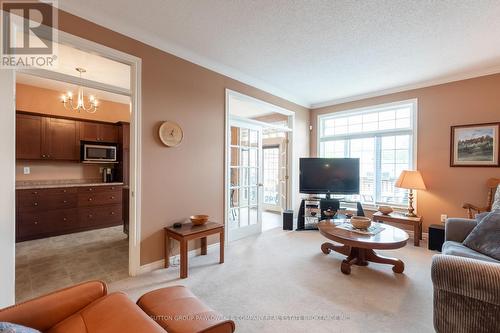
(436, 237)
(288, 219)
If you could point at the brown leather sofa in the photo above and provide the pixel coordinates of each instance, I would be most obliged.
(88, 308)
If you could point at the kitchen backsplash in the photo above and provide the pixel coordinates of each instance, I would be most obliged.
(52, 170)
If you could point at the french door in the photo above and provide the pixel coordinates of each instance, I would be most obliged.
(283, 173)
(245, 180)
(275, 170)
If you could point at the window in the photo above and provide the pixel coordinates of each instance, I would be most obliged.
(382, 137)
(269, 133)
(271, 170)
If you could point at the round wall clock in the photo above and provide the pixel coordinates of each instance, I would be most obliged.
(170, 134)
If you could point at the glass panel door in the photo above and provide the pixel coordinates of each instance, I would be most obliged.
(245, 187)
(283, 174)
(270, 156)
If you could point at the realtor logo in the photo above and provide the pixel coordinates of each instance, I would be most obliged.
(29, 34)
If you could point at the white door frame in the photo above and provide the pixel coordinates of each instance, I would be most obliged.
(231, 94)
(7, 186)
(135, 64)
(256, 228)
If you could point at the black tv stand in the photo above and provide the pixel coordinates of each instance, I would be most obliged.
(317, 206)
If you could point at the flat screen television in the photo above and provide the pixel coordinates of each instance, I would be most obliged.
(329, 175)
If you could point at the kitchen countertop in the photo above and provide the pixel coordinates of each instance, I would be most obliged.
(26, 185)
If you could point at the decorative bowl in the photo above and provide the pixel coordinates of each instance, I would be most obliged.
(386, 210)
(199, 219)
(361, 222)
(329, 213)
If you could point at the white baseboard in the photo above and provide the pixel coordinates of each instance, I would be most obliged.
(152, 266)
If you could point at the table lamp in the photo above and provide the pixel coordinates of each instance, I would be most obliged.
(411, 180)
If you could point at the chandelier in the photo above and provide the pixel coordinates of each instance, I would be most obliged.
(67, 99)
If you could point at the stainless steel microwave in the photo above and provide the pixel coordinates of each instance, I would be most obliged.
(97, 153)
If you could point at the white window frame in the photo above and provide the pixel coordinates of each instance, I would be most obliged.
(413, 131)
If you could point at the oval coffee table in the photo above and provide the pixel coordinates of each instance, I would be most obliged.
(359, 248)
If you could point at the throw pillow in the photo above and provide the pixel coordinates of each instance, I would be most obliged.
(496, 201)
(6, 327)
(485, 237)
(481, 216)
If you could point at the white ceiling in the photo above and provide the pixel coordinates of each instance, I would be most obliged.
(98, 68)
(316, 52)
(246, 109)
(64, 87)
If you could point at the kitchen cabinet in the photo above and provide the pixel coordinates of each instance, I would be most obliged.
(40, 137)
(60, 140)
(28, 137)
(109, 133)
(91, 131)
(45, 138)
(49, 212)
(124, 152)
(123, 171)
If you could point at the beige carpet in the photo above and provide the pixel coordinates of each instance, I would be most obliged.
(285, 274)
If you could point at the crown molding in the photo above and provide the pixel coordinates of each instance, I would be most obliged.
(178, 51)
(420, 85)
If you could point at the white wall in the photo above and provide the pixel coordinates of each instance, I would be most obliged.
(302, 136)
(7, 187)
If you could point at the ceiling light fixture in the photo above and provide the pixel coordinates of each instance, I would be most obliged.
(67, 99)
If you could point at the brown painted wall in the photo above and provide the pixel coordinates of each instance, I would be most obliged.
(182, 181)
(439, 107)
(47, 101)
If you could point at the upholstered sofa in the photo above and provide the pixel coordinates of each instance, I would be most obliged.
(466, 284)
(89, 308)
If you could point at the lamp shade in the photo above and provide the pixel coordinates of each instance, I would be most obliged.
(411, 179)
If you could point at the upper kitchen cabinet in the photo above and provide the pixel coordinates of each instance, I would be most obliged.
(44, 138)
(90, 131)
(109, 133)
(61, 139)
(28, 137)
(51, 138)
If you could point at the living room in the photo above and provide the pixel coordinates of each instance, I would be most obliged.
(428, 72)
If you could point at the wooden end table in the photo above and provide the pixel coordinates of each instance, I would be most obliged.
(188, 232)
(359, 248)
(416, 222)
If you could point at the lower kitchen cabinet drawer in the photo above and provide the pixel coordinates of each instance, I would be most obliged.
(46, 223)
(100, 215)
(47, 202)
(44, 213)
(100, 198)
(99, 189)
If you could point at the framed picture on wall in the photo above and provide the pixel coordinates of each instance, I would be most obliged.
(475, 145)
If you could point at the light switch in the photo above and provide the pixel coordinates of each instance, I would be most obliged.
(27, 170)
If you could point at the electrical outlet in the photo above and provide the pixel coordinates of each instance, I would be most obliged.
(26, 170)
(101, 169)
(444, 217)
